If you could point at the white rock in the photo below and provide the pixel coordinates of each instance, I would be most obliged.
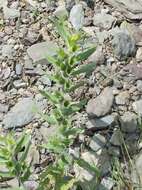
(77, 16)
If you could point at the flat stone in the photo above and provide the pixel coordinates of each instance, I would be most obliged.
(20, 115)
(77, 16)
(103, 20)
(101, 105)
(19, 84)
(10, 13)
(130, 8)
(101, 122)
(137, 106)
(38, 52)
(129, 122)
(97, 142)
(122, 98)
(123, 45)
(7, 51)
(139, 85)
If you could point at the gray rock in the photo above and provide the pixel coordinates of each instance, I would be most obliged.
(124, 45)
(32, 36)
(18, 69)
(10, 13)
(137, 170)
(97, 57)
(139, 54)
(101, 122)
(122, 98)
(3, 108)
(103, 20)
(61, 12)
(45, 80)
(42, 49)
(139, 85)
(137, 106)
(107, 183)
(77, 16)
(19, 84)
(97, 142)
(7, 51)
(101, 105)
(116, 138)
(129, 122)
(20, 115)
(130, 8)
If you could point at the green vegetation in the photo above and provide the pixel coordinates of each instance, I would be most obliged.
(67, 66)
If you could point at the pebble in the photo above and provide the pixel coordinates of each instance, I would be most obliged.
(129, 122)
(103, 20)
(101, 105)
(18, 69)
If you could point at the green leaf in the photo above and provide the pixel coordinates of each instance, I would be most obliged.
(62, 29)
(25, 153)
(50, 119)
(69, 184)
(87, 69)
(85, 54)
(19, 144)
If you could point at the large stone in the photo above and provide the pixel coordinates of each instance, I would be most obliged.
(124, 45)
(39, 51)
(21, 114)
(104, 20)
(130, 8)
(101, 105)
(129, 122)
(137, 106)
(77, 16)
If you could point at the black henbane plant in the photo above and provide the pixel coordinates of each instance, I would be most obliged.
(67, 66)
(13, 154)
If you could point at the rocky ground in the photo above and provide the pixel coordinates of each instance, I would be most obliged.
(114, 110)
